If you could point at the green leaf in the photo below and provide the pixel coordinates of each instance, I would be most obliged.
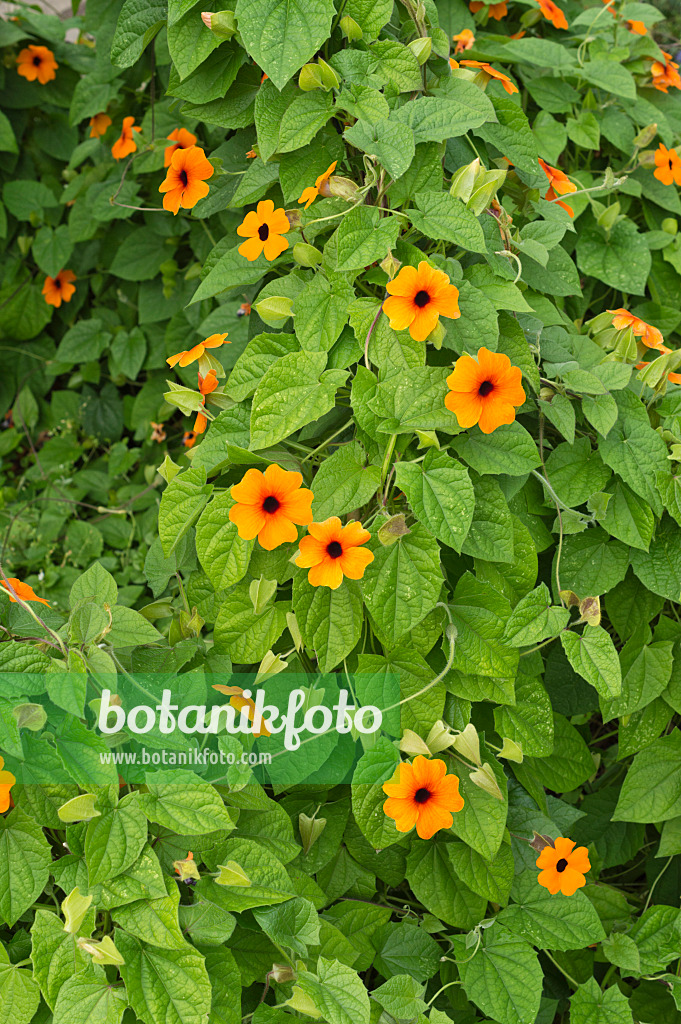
(294, 924)
(651, 790)
(137, 25)
(441, 495)
(512, 136)
(403, 582)
(140, 256)
(593, 656)
(344, 482)
(400, 996)
(576, 471)
(482, 820)
(155, 920)
(634, 450)
(509, 449)
(389, 141)
(491, 532)
(19, 993)
(620, 259)
(115, 839)
(330, 621)
(8, 142)
(395, 64)
(270, 882)
(592, 564)
(52, 248)
(480, 614)
(611, 76)
(570, 764)
(337, 991)
(552, 922)
(374, 768)
(528, 722)
(370, 15)
(434, 882)
(590, 1004)
(504, 978)
(261, 352)
(164, 986)
(646, 671)
(321, 312)
(181, 801)
(282, 37)
(85, 999)
(181, 503)
(490, 879)
(660, 569)
(130, 628)
(55, 953)
(222, 553)
(447, 114)
(303, 118)
(24, 864)
(363, 237)
(294, 391)
(244, 634)
(440, 215)
(534, 618)
(94, 584)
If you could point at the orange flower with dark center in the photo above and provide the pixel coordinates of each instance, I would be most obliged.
(422, 795)
(649, 335)
(637, 27)
(37, 62)
(465, 40)
(7, 780)
(244, 309)
(559, 185)
(185, 182)
(418, 298)
(207, 386)
(506, 82)
(332, 551)
(22, 590)
(553, 13)
(60, 288)
(665, 74)
(189, 439)
(486, 390)
(320, 187)
(269, 504)
(125, 143)
(496, 11)
(563, 867)
(667, 166)
(181, 139)
(98, 125)
(191, 354)
(264, 228)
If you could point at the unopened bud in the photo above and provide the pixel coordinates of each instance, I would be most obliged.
(74, 908)
(306, 255)
(569, 598)
(294, 630)
(301, 1002)
(467, 743)
(511, 750)
(275, 310)
(102, 952)
(281, 973)
(310, 78)
(412, 744)
(609, 217)
(464, 179)
(350, 29)
(428, 439)
(646, 158)
(645, 136)
(30, 716)
(654, 374)
(439, 738)
(437, 335)
(344, 188)
(187, 868)
(222, 24)
(191, 623)
(486, 187)
(168, 469)
(390, 265)
(530, 18)
(261, 592)
(485, 779)
(271, 665)
(392, 529)
(670, 225)
(540, 841)
(421, 48)
(590, 611)
(294, 219)
(79, 808)
(310, 830)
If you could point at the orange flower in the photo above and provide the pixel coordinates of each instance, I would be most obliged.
(331, 551)
(665, 74)
(182, 139)
(553, 13)
(506, 82)
(59, 289)
(485, 390)
(37, 62)
(207, 385)
(244, 309)
(98, 125)
(157, 433)
(187, 869)
(422, 794)
(7, 780)
(496, 11)
(125, 144)
(650, 336)
(518, 35)
(559, 185)
(563, 867)
(268, 506)
(637, 27)
(465, 40)
(264, 228)
(191, 354)
(320, 187)
(251, 155)
(611, 9)
(185, 182)
(418, 298)
(239, 700)
(22, 590)
(668, 165)
(189, 439)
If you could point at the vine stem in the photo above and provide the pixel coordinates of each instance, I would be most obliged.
(568, 977)
(34, 615)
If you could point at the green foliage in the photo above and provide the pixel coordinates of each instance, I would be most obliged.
(524, 585)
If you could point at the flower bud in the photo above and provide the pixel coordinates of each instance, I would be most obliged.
(294, 629)
(569, 598)
(609, 217)
(530, 18)
(306, 255)
(437, 335)
(590, 611)
(646, 158)
(281, 973)
(222, 24)
(412, 744)
(275, 309)
(467, 743)
(186, 868)
(484, 778)
(168, 469)
(464, 179)
(102, 952)
(294, 219)
(421, 48)
(310, 830)
(191, 623)
(74, 908)
(392, 530)
(271, 665)
(30, 716)
(439, 738)
(511, 750)
(310, 78)
(80, 808)
(301, 1002)
(428, 439)
(485, 188)
(350, 29)
(390, 265)
(344, 188)
(654, 374)
(261, 592)
(645, 136)
(670, 225)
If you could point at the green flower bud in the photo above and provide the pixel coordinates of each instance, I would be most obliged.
(350, 29)
(421, 48)
(306, 255)
(670, 225)
(645, 136)
(486, 186)
(275, 310)
(310, 78)
(310, 830)
(74, 908)
(222, 24)
(80, 808)
(464, 179)
(392, 530)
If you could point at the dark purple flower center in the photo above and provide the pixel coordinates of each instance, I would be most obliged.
(270, 504)
(422, 298)
(485, 388)
(334, 549)
(421, 796)
(263, 232)
(561, 865)
(183, 177)
(37, 61)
